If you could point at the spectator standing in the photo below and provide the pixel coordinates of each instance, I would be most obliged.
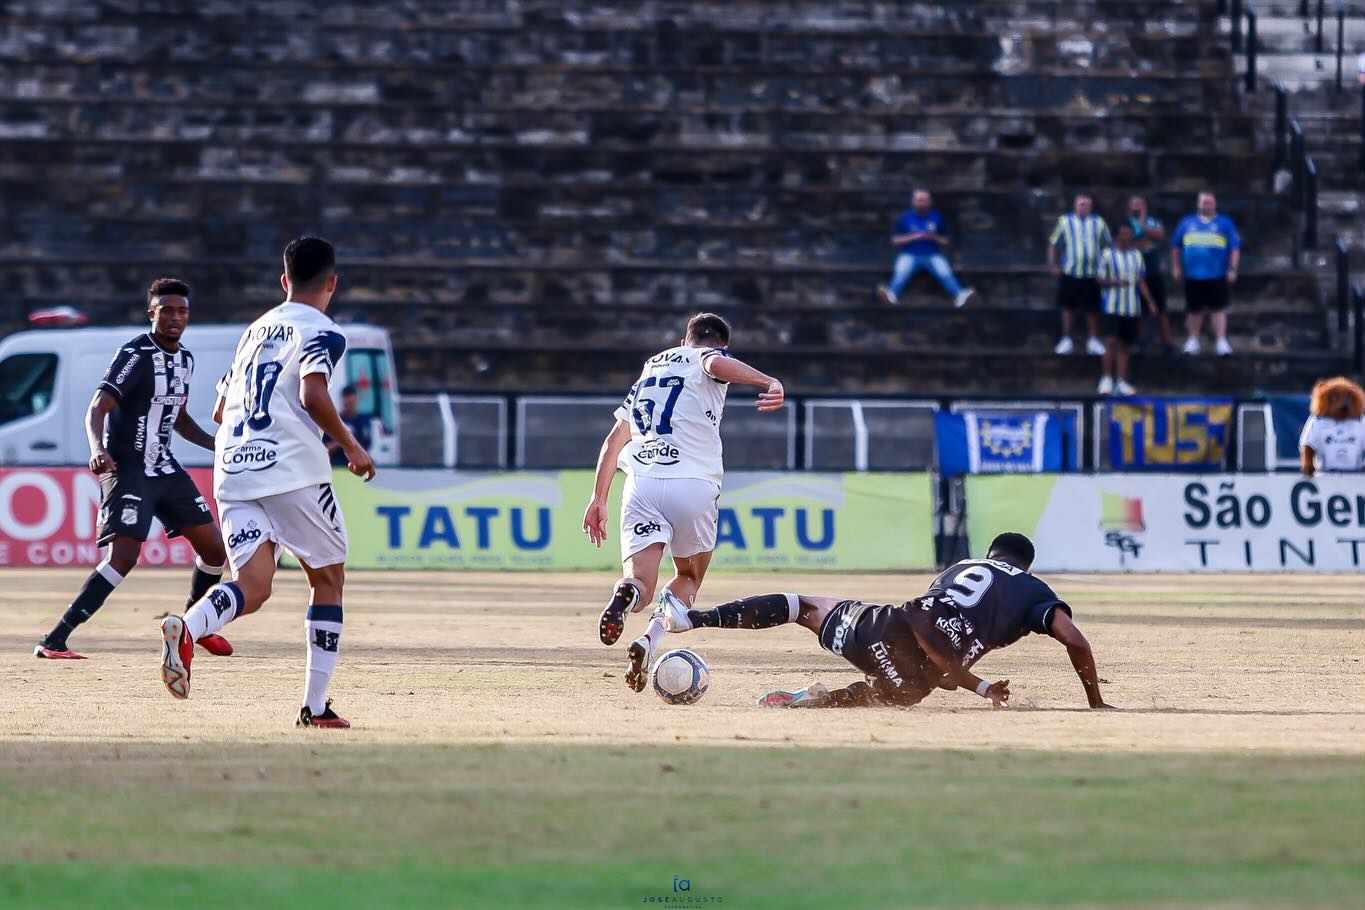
(1149, 234)
(1334, 437)
(359, 425)
(921, 238)
(1083, 235)
(1206, 251)
(1121, 272)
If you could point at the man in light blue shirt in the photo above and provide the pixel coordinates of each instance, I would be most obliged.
(921, 239)
(1206, 251)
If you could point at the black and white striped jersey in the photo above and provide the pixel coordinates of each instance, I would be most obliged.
(152, 386)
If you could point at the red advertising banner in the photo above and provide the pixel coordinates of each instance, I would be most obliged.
(48, 518)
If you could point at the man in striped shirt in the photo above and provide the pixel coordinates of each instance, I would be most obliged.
(139, 403)
(1083, 235)
(1122, 275)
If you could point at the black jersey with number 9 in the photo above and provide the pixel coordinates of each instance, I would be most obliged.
(1001, 602)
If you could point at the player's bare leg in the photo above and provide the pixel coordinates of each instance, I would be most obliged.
(682, 588)
(641, 575)
(209, 564)
(631, 593)
(220, 605)
(323, 632)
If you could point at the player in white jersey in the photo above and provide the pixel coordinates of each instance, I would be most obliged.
(667, 440)
(272, 477)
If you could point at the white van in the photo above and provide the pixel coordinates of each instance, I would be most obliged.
(49, 376)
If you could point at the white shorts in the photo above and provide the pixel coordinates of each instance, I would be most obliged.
(306, 522)
(677, 511)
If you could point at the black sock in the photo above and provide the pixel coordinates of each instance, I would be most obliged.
(200, 583)
(762, 611)
(90, 598)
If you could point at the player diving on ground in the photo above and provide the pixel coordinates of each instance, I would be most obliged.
(975, 607)
(667, 440)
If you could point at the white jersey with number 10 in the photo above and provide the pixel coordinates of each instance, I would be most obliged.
(267, 443)
(674, 413)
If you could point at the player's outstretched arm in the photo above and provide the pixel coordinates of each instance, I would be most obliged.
(728, 369)
(185, 425)
(998, 692)
(1082, 658)
(317, 401)
(595, 517)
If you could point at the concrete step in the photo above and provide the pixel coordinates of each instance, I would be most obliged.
(914, 371)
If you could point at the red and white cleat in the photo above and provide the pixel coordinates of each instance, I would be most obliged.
(813, 696)
(177, 650)
(54, 654)
(216, 645)
(328, 719)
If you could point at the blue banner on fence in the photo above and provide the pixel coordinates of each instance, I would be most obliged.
(1165, 434)
(976, 442)
(1288, 414)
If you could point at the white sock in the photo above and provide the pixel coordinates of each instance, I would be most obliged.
(219, 606)
(323, 626)
(655, 631)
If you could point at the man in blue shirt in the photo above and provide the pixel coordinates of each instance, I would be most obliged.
(921, 239)
(1150, 236)
(1206, 252)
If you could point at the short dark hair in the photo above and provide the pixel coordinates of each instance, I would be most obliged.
(166, 287)
(1014, 547)
(705, 327)
(348, 390)
(1122, 225)
(308, 261)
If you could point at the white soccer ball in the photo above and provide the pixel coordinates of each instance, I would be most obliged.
(681, 677)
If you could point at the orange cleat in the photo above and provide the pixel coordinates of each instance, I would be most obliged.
(54, 654)
(216, 645)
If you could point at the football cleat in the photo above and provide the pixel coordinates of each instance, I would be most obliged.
(328, 719)
(216, 645)
(637, 673)
(675, 612)
(813, 696)
(177, 650)
(613, 620)
(46, 653)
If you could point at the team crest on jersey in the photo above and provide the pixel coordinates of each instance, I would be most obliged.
(129, 516)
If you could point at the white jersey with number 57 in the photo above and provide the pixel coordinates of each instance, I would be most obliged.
(674, 412)
(267, 444)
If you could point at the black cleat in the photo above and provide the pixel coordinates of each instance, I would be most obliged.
(327, 719)
(613, 620)
(637, 674)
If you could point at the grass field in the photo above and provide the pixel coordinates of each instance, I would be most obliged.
(499, 761)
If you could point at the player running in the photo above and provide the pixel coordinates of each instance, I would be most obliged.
(272, 477)
(138, 403)
(667, 440)
(975, 607)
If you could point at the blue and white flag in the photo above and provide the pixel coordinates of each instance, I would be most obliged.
(1017, 443)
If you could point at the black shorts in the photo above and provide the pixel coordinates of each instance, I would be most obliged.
(132, 500)
(879, 640)
(1079, 294)
(1125, 328)
(940, 623)
(1156, 284)
(1206, 296)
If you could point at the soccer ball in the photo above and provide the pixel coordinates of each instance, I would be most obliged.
(681, 677)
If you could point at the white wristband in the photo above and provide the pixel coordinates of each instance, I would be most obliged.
(982, 688)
